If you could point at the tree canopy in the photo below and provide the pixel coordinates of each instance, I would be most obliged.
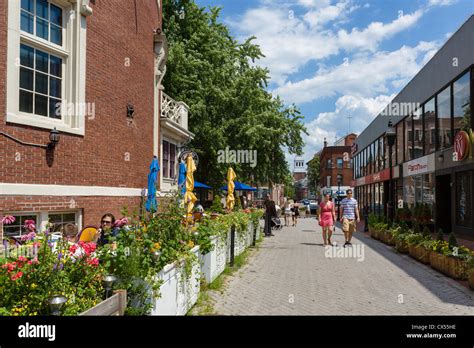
(217, 77)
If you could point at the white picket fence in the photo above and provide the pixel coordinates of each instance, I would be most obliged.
(180, 292)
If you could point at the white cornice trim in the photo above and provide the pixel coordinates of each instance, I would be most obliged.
(86, 10)
(67, 190)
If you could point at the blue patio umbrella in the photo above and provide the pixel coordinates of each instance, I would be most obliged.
(198, 184)
(240, 187)
(151, 204)
(182, 177)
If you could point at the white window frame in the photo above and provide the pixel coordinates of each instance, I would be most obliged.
(73, 53)
(42, 217)
(176, 144)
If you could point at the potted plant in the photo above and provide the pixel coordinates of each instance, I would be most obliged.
(389, 235)
(470, 277)
(420, 246)
(450, 259)
(401, 244)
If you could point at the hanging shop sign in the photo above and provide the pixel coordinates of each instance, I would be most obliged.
(462, 145)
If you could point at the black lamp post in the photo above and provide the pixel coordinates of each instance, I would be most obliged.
(53, 138)
(391, 136)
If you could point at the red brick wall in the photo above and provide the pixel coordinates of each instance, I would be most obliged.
(93, 207)
(333, 153)
(98, 158)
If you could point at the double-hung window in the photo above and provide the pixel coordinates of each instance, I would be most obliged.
(46, 64)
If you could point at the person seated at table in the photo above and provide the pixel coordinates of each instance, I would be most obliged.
(107, 229)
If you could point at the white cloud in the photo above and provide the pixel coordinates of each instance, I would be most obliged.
(335, 123)
(441, 2)
(367, 75)
(289, 41)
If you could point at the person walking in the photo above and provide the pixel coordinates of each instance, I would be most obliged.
(349, 216)
(327, 216)
(296, 213)
(270, 212)
(287, 211)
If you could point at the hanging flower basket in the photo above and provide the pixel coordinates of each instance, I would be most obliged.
(451, 266)
(420, 253)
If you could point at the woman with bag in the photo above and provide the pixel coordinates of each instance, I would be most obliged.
(327, 217)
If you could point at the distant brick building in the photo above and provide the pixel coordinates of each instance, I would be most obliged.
(335, 165)
(93, 71)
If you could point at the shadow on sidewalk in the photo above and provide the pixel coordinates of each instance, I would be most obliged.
(431, 279)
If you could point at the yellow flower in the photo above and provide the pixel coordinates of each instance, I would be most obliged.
(34, 286)
(145, 228)
(191, 244)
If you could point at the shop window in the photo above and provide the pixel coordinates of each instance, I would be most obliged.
(400, 145)
(408, 139)
(417, 133)
(462, 100)
(464, 196)
(429, 125)
(444, 119)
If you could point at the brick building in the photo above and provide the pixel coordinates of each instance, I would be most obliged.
(335, 165)
(93, 71)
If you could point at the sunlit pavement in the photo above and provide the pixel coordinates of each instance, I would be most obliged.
(294, 274)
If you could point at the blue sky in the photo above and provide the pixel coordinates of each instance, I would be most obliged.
(337, 59)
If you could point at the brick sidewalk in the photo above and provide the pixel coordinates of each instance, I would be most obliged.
(290, 275)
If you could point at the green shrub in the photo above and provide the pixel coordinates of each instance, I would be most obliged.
(440, 235)
(216, 206)
(427, 232)
(452, 240)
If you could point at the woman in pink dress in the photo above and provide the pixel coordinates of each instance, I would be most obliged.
(327, 216)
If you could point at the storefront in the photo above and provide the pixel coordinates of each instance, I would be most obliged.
(418, 188)
(455, 186)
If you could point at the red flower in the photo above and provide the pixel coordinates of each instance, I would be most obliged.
(73, 248)
(93, 262)
(17, 276)
(22, 259)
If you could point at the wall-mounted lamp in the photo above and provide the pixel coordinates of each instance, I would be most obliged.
(53, 140)
(130, 110)
(441, 158)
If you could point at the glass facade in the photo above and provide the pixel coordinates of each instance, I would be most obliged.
(418, 133)
(429, 126)
(443, 103)
(461, 101)
(464, 197)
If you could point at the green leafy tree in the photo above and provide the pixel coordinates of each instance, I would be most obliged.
(226, 92)
(313, 173)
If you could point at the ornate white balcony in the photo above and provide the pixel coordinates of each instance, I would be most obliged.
(174, 111)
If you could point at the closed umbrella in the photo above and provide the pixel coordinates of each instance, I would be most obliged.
(230, 201)
(182, 178)
(189, 197)
(151, 204)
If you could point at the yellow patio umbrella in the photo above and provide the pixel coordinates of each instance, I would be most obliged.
(189, 197)
(230, 201)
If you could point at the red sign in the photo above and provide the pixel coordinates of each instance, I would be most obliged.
(384, 175)
(461, 145)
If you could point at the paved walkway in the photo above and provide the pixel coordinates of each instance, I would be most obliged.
(291, 275)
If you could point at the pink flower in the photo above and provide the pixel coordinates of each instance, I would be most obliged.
(22, 259)
(94, 262)
(17, 276)
(121, 222)
(30, 225)
(7, 220)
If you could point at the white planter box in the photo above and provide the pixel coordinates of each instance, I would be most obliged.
(213, 263)
(178, 293)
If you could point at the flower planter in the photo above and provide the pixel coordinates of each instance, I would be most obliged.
(213, 263)
(375, 234)
(420, 253)
(178, 293)
(451, 266)
(470, 278)
(249, 238)
(402, 247)
(387, 238)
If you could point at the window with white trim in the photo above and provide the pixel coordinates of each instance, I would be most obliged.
(169, 160)
(46, 64)
(18, 228)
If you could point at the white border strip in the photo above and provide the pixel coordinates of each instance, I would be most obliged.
(66, 190)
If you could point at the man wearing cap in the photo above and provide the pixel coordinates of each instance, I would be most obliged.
(349, 216)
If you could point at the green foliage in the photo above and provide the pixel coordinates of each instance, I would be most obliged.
(238, 203)
(313, 173)
(452, 240)
(427, 232)
(216, 206)
(226, 92)
(440, 235)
